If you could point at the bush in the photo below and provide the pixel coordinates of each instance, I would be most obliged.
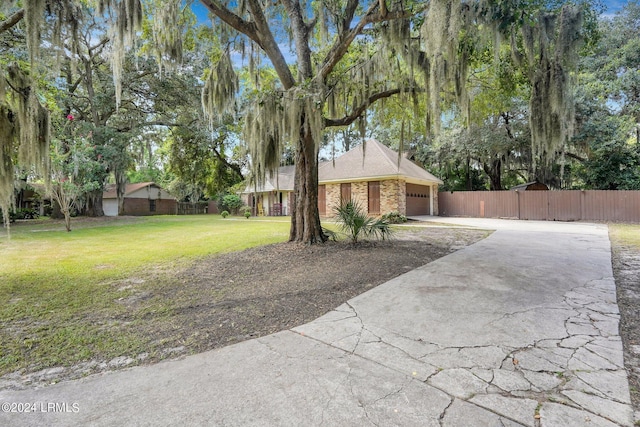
(354, 222)
(23, 213)
(26, 214)
(231, 202)
(247, 213)
(12, 216)
(394, 217)
(224, 214)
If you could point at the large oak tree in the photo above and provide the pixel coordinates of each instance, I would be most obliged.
(346, 55)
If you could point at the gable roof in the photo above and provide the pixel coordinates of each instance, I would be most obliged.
(372, 160)
(282, 181)
(369, 161)
(110, 190)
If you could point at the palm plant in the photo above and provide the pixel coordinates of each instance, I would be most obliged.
(354, 222)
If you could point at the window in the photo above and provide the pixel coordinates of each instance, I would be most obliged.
(345, 192)
(374, 197)
(152, 205)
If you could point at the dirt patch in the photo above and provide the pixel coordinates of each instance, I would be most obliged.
(626, 269)
(221, 300)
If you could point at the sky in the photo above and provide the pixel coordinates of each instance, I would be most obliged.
(612, 7)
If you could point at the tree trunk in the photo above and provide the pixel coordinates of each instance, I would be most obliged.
(494, 171)
(305, 217)
(56, 212)
(94, 203)
(121, 186)
(67, 220)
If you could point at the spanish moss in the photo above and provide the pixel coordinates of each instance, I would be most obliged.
(24, 128)
(550, 49)
(277, 119)
(125, 19)
(220, 88)
(167, 33)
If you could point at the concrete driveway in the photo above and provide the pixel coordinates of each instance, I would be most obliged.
(520, 329)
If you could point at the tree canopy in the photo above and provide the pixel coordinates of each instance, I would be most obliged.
(486, 84)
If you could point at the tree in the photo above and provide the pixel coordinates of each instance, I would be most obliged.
(24, 121)
(619, 62)
(348, 56)
(76, 167)
(605, 153)
(24, 133)
(334, 86)
(292, 110)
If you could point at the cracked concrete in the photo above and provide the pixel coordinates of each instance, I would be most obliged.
(520, 329)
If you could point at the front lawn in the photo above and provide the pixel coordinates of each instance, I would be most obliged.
(62, 292)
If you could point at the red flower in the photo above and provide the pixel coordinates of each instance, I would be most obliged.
(70, 116)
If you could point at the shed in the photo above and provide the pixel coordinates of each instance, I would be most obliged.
(144, 198)
(529, 186)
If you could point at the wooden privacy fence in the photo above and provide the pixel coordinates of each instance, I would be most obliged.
(565, 205)
(185, 208)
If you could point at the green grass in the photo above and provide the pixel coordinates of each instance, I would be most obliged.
(58, 307)
(625, 234)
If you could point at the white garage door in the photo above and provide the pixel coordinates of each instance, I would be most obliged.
(110, 207)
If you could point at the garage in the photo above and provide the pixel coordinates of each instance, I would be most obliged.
(418, 201)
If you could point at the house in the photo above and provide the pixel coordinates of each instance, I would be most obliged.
(371, 173)
(380, 179)
(274, 196)
(144, 198)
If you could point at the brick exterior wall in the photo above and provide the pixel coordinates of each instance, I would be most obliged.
(393, 196)
(360, 193)
(139, 207)
(332, 198)
(435, 202)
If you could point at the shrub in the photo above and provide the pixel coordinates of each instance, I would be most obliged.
(330, 234)
(26, 213)
(224, 214)
(12, 216)
(247, 213)
(394, 217)
(231, 202)
(354, 222)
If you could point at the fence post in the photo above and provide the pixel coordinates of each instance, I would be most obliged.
(547, 196)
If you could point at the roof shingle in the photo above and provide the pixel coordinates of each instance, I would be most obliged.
(371, 160)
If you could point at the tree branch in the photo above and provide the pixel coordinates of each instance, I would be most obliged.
(258, 31)
(270, 46)
(11, 21)
(358, 111)
(301, 38)
(575, 156)
(231, 19)
(344, 40)
(225, 162)
(146, 124)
